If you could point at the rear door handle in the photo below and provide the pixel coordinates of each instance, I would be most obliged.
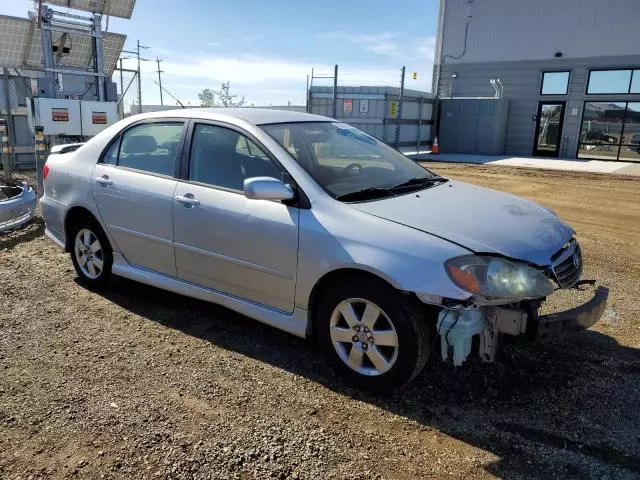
(104, 180)
(188, 200)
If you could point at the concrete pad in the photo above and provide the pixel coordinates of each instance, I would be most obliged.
(572, 165)
(631, 170)
(593, 166)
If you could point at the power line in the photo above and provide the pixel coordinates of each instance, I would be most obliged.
(170, 94)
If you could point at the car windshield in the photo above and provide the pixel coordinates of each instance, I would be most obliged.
(348, 163)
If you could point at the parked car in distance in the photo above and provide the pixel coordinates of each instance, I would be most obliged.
(314, 227)
(599, 136)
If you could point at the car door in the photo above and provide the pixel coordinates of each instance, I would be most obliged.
(224, 241)
(133, 187)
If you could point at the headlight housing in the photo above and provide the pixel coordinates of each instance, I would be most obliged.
(497, 277)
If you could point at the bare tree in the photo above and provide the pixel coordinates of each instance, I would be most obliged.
(222, 97)
(226, 99)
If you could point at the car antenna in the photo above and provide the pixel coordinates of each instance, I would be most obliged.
(170, 94)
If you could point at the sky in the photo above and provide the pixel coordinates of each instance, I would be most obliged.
(266, 48)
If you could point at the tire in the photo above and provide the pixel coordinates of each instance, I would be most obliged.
(93, 272)
(400, 319)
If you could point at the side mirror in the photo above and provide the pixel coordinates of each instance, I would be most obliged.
(267, 188)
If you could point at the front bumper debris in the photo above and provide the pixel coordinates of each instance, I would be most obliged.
(18, 208)
(563, 324)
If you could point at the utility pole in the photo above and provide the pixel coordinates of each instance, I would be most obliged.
(397, 139)
(137, 54)
(158, 60)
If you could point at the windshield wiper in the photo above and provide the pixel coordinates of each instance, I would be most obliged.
(378, 192)
(418, 181)
(366, 194)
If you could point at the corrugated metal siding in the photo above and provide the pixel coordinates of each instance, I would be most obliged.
(376, 121)
(535, 29)
(521, 82)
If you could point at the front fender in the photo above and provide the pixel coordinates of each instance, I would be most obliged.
(408, 259)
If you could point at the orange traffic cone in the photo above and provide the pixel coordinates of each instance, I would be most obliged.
(435, 148)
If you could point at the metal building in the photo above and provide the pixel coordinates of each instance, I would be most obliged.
(570, 71)
(379, 111)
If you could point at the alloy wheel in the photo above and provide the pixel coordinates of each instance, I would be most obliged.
(89, 253)
(363, 336)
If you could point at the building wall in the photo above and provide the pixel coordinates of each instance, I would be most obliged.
(521, 81)
(514, 30)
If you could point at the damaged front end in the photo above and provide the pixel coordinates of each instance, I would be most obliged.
(506, 300)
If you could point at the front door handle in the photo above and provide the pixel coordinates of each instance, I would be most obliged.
(188, 200)
(104, 180)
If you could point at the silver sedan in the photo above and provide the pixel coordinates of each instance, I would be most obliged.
(314, 227)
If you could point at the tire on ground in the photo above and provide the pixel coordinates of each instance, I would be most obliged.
(409, 321)
(90, 223)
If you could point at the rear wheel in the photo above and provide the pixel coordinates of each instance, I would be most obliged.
(91, 253)
(376, 337)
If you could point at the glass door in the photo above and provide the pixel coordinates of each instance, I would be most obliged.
(630, 139)
(548, 133)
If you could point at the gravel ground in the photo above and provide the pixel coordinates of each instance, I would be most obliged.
(136, 382)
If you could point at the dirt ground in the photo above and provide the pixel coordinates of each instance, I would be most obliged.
(135, 382)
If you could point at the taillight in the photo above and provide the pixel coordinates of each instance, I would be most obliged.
(45, 171)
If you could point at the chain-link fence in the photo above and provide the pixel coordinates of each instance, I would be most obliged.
(128, 91)
(16, 87)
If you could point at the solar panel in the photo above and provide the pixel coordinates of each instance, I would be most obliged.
(115, 8)
(21, 47)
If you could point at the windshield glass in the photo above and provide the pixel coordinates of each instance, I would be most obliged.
(347, 162)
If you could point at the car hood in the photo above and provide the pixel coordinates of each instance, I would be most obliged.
(479, 219)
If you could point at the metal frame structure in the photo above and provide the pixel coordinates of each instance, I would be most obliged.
(63, 53)
(67, 23)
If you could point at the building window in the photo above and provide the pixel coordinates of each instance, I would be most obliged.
(610, 131)
(613, 81)
(635, 82)
(554, 83)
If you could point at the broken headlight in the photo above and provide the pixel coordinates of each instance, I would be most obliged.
(497, 277)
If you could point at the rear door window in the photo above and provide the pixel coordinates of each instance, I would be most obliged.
(149, 147)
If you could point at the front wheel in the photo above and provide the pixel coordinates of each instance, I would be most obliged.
(91, 253)
(376, 337)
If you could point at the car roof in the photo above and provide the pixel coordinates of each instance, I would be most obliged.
(256, 116)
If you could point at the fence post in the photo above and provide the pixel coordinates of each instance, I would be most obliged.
(9, 122)
(41, 157)
(419, 124)
(400, 101)
(5, 144)
(335, 91)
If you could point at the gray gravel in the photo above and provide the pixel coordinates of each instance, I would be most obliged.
(136, 382)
